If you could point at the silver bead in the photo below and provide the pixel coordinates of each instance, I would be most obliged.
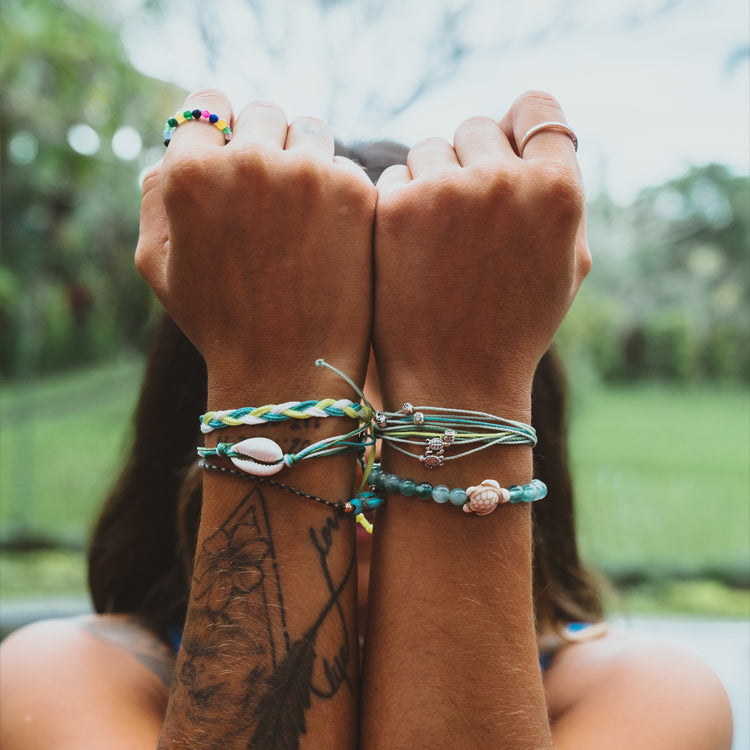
(418, 417)
(407, 408)
(380, 419)
(449, 437)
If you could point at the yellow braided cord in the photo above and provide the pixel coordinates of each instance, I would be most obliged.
(277, 412)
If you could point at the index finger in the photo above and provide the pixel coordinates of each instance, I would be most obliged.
(201, 122)
(551, 142)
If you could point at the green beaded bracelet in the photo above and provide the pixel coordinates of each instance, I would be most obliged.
(481, 499)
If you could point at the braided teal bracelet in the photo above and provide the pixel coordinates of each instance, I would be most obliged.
(481, 499)
(328, 407)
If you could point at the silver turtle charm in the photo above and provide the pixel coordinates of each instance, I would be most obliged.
(485, 497)
(264, 456)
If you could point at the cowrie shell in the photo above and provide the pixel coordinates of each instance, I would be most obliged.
(264, 456)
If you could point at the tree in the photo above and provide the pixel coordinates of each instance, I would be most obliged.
(68, 290)
(670, 291)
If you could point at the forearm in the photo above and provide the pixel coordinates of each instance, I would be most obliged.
(270, 647)
(451, 657)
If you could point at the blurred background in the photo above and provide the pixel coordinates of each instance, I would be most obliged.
(657, 344)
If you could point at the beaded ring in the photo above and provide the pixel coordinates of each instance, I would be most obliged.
(196, 114)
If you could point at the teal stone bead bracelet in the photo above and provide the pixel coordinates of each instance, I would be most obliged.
(480, 499)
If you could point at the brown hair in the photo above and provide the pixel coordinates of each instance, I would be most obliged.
(142, 547)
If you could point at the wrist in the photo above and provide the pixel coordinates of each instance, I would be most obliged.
(234, 384)
(509, 399)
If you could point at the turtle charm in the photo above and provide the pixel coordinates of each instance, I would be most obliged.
(485, 497)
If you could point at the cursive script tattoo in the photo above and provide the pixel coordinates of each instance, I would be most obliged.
(242, 679)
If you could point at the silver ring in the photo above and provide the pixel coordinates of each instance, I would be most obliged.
(561, 126)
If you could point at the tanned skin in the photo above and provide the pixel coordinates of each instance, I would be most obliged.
(269, 253)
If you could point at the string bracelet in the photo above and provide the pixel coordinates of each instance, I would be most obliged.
(436, 428)
(481, 499)
(328, 407)
(349, 506)
(196, 114)
(262, 456)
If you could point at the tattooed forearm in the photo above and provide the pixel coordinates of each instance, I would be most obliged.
(335, 672)
(240, 669)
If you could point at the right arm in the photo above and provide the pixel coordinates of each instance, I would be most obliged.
(260, 251)
(267, 269)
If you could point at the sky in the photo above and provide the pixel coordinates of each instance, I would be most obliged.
(651, 87)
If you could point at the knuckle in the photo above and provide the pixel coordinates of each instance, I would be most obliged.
(187, 169)
(311, 125)
(151, 179)
(434, 143)
(477, 122)
(141, 259)
(585, 262)
(500, 182)
(392, 215)
(537, 98)
(208, 97)
(363, 194)
(445, 193)
(560, 190)
(307, 174)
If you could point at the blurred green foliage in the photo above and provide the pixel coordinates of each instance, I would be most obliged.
(71, 102)
(669, 294)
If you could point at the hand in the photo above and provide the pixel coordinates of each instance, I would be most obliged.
(260, 250)
(479, 252)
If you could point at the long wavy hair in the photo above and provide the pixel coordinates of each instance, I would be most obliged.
(142, 548)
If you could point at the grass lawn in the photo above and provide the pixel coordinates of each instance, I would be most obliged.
(662, 474)
(663, 480)
(61, 442)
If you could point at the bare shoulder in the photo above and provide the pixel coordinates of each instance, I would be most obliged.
(625, 690)
(103, 677)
